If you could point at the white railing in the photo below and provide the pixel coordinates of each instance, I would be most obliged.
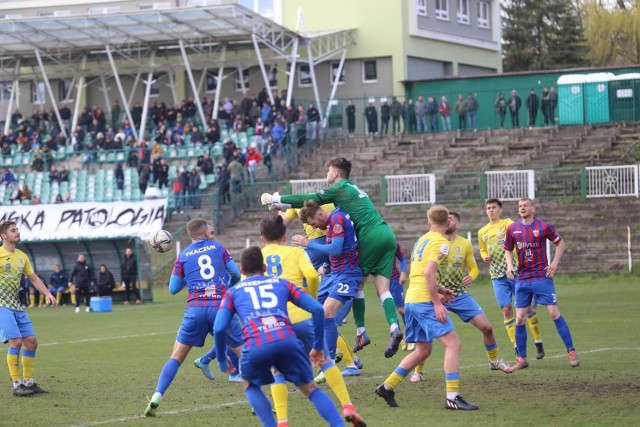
(616, 181)
(303, 186)
(411, 189)
(511, 185)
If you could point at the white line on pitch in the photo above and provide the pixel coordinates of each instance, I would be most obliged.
(152, 334)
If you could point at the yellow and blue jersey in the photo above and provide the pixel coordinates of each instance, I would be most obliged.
(453, 266)
(309, 231)
(491, 242)
(15, 265)
(291, 263)
(431, 246)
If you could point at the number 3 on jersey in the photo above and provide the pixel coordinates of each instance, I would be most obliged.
(274, 267)
(206, 268)
(264, 298)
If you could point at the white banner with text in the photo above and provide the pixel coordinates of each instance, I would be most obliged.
(68, 221)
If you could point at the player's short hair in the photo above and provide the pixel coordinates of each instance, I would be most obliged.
(438, 215)
(273, 228)
(251, 260)
(5, 225)
(493, 202)
(342, 164)
(197, 227)
(309, 210)
(526, 199)
(456, 215)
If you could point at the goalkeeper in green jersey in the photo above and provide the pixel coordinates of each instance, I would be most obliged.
(376, 241)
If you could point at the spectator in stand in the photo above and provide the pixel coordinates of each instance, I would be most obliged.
(26, 193)
(410, 116)
(514, 109)
(206, 166)
(501, 108)
(184, 173)
(236, 169)
(396, 112)
(6, 149)
(385, 115)
(461, 110)
(143, 178)
(63, 174)
(16, 118)
(177, 187)
(85, 119)
(16, 194)
(533, 104)
(545, 106)
(58, 199)
(82, 274)
(238, 124)
(94, 129)
(432, 114)
(163, 174)
(253, 159)
(277, 133)
(194, 188)
(157, 150)
(115, 114)
(59, 281)
(472, 111)
(313, 117)
(228, 150)
(136, 114)
(129, 274)
(445, 113)
(222, 184)
(106, 282)
(265, 112)
(119, 175)
(421, 114)
(90, 157)
(9, 179)
(371, 114)
(65, 113)
(553, 101)
(351, 116)
(36, 200)
(213, 134)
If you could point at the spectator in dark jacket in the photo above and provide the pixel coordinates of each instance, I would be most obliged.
(533, 104)
(129, 275)
(82, 274)
(58, 282)
(106, 282)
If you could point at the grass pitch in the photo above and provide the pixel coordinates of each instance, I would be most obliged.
(100, 368)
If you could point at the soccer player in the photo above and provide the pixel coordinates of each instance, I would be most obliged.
(427, 316)
(376, 239)
(451, 275)
(292, 264)
(535, 277)
(15, 326)
(491, 242)
(269, 340)
(204, 267)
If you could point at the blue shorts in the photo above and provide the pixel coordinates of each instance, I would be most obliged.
(55, 290)
(342, 286)
(397, 292)
(543, 290)
(14, 324)
(422, 324)
(504, 289)
(465, 307)
(287, 356)
(197, 323)
(317, 258)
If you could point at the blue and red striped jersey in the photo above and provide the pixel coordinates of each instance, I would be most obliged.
(261, 305)
(395, 273)
(203, 266)
(529, 241)
(339, 224)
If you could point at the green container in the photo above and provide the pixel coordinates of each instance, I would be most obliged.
(624, 97)
(597, 97)
(571, 99)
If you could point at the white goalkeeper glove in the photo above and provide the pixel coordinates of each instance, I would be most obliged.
(268, 199)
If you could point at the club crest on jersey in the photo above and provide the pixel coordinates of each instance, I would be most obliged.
(337, 229)
(519, 244)
(536, 233)
(457, 248)
(7, 266)
(485, 238)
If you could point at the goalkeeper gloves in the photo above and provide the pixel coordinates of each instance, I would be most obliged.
(268, 199)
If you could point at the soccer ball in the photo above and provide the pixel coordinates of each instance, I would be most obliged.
(162, 241)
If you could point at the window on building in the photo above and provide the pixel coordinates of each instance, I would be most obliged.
(200, 3)
(334, 73)
(155, 86)
(12, 16)
(483, 14)
(38, 92)
(304, 75)
(369, 71)
(154, 6)
(55, 13)
(421, 7)
(463, 11)
(245, 79)
(5, 91)
(262, 7)
(64, 88)
(211, 81)
(103, 10)
(442, 9)
(273, 77)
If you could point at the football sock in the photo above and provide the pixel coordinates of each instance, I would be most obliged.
(28, 365)
(521, 340)
(58, 297)
(336, 381)
(396, 378)
(42, 299)
(510, 325)
(32, 299)
(12, 361)
(420, 368)
(389, 307)
(280, 397)
(359, 309)
(492, 351)
(563, 330)
(532, 320)
(325, 407)
(260, 405)
(169, 371)
(347, 353)
(211, 355)
(73, 299)
(331, 336)
(452, 380)
(235, 362)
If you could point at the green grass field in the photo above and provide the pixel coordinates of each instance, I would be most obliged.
(100, 367)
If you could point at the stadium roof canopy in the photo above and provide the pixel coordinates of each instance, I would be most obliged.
(61, 46)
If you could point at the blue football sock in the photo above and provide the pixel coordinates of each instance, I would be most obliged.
(234, 359)
(325, 407)
(211, 355)
(167, 375)
(521, 340)
(563, 330)
(260, 405)
(331, 335)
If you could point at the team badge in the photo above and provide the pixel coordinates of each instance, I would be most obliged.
(485, 238)
(337, 229)
(7, 266)
(457, 248)
(519, 245)
(536, 233)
